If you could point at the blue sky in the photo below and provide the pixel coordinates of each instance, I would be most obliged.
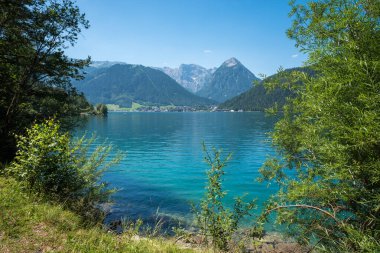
(205, 32)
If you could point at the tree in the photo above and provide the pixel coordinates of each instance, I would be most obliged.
(101, 109)
(330, 133)
(33, 37)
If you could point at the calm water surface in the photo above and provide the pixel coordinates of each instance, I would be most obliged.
(164, 169)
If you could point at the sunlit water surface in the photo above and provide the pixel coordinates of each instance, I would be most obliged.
(163, 170)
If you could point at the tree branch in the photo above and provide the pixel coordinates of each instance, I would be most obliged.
(305, 207)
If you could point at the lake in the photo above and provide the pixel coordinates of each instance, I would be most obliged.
(163, 170)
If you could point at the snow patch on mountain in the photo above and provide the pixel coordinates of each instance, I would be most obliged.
(191, 76)
(231, 62)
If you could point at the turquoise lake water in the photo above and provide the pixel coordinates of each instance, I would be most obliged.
(163, 169)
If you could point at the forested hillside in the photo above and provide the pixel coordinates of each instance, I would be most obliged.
(260, 96)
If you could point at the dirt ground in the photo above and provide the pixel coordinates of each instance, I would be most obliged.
(272, 243)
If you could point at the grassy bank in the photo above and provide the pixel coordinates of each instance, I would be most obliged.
(27, 224)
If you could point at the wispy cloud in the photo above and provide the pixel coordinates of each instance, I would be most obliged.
(207, 51)
(294, 55)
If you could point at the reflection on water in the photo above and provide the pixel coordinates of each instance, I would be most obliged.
(164, 165)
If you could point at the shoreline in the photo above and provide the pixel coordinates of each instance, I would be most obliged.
(119, 111)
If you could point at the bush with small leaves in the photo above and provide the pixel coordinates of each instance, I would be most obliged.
(59, 169)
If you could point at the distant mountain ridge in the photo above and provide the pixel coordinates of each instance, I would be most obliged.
(137, 83)
(229, 80)
(123, 84)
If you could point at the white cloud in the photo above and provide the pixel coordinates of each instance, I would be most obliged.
(294, 55)
(207, 51)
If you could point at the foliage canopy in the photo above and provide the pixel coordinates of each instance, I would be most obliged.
(35, 73)
(330, 132)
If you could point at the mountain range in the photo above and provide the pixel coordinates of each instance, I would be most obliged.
(123, 84)
(220, 84)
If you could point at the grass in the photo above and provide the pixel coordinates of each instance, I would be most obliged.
(27, 224)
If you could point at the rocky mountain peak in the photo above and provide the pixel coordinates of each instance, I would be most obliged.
(231, 62)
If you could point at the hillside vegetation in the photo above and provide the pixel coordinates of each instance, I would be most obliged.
(261, 96)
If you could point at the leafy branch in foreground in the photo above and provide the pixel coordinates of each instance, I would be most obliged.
(329, 137)
(213, 218)
(59, 169)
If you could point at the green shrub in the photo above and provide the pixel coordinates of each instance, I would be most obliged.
(213, 218)
(50, 164)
